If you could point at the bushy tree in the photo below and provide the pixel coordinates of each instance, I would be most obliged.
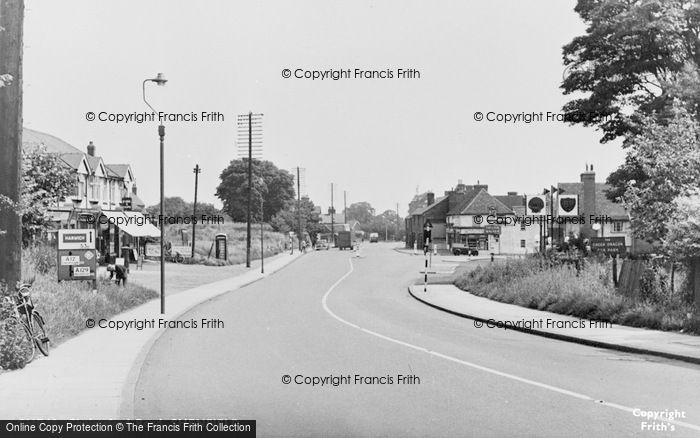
(669, 156)
(636, 58)
(361, 212)
(287, 219)
(45, 181)
(175, 206)
(275, 186)
(683, 238)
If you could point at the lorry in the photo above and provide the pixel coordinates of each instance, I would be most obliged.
(344, 240)
(373, 237)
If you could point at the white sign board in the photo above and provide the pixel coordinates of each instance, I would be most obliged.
(81, 271)
(153, 250)
(76, 239)
(70, 260)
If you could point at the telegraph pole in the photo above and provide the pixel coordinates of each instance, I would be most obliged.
(398, 223)
(332, 218)
(345, 207)
(196, 171)
(11, 30)
(299, 208)
(250, 131)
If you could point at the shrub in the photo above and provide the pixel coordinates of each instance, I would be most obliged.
(13, 340)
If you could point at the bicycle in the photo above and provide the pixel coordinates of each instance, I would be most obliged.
(25, 313)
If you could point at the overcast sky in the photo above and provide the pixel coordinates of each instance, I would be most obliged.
(379, 139)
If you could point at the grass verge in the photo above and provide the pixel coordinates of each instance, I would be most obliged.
(587, 294)
(66, 306)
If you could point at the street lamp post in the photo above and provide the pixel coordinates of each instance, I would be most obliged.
(160, 81)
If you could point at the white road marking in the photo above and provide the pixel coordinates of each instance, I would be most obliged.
(324, 302)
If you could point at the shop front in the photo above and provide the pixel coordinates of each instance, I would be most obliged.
(123, 234)
(472, 238)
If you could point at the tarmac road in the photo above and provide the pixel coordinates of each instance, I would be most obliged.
(331, 315)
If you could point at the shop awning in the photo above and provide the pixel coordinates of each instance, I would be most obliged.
(139, 226)
(132, 223)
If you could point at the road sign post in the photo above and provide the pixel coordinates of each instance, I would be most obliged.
(76, 256)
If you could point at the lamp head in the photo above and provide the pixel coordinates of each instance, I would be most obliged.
(160, 79)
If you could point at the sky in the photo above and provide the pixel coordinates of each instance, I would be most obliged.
(380, 140)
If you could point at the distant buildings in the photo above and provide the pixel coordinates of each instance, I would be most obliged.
(469, 217)
(461, 219)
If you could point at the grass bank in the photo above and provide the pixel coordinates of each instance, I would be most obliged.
(273, 241)
(66, 306)
(559, 288)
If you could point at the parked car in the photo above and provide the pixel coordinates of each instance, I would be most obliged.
(373, 237)
(459, 250)
(322, 244)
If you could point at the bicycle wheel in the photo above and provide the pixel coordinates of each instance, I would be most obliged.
(39, 334)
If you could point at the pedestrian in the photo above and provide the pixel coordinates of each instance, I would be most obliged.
(303, 246)
(291, 246)
(119, 271)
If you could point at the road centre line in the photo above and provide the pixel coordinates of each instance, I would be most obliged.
(324, 302)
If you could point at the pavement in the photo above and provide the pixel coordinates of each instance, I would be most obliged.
(89, 375)
(489, 314)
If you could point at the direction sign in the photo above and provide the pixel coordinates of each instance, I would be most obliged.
(81, 271)
(70, 260)
(609, 245)
(76, 239)
(77, 264)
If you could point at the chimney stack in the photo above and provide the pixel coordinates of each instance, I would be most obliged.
(431, 198)
(589, 201)
(91, 149)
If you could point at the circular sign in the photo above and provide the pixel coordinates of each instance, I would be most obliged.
(536, 204)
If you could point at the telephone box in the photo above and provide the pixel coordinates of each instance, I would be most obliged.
(221, 243)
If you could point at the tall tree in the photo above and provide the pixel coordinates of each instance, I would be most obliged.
(636, 58)
(276, 186)
(361, 212)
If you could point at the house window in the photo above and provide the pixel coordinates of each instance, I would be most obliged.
(522, 243)
(618, 226)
